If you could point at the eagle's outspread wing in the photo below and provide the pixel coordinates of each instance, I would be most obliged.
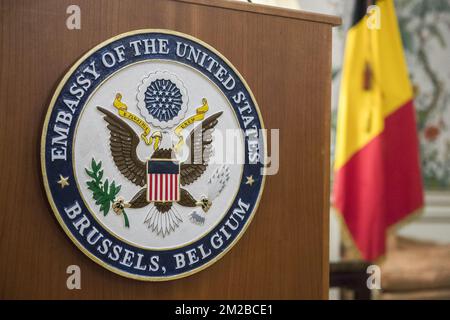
(200, 150)
(123, 142)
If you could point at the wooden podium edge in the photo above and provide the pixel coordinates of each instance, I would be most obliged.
(268, 10)
(332, 21)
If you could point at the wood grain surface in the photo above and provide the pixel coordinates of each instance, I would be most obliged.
(286, 60)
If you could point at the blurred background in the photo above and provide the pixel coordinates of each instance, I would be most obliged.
(413, 259)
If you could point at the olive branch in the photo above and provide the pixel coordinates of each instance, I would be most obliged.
(103, 193)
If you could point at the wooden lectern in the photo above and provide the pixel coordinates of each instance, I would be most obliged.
(284, 55)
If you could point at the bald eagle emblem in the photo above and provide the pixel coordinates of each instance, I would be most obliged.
(153, 154)
(162, 192)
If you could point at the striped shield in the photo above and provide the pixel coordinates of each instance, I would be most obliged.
(163, 176)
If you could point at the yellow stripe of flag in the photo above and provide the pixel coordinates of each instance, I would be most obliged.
(376, 54)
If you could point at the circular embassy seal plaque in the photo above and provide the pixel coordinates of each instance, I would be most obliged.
(152, 155)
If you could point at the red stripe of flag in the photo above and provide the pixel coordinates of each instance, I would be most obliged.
(160, 186)
(171, 188)
(157, 187)
(381, 184)
(149, 187)
(177, 190)
(167, 182)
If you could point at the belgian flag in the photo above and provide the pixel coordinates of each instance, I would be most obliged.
(377, 180)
